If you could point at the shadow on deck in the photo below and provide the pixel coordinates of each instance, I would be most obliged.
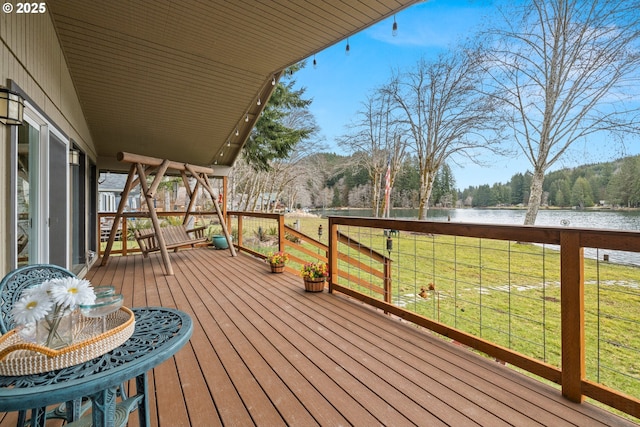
(264, 352)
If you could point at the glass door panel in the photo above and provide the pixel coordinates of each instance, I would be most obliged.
(27, 198)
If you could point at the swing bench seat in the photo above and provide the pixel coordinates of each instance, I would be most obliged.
(175, 237)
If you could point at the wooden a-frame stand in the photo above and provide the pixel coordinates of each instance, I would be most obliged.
(142, 166)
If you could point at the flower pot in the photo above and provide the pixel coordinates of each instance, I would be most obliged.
(219, 242)
(277, 268)
(314, 285)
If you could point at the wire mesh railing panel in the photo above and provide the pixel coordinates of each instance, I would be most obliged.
(258, 234)
(360, 267)
(502, 291)
(612, 318)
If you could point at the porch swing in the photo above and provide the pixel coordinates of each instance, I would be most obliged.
(159, 238)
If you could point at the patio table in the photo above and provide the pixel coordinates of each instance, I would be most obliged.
(159, 334)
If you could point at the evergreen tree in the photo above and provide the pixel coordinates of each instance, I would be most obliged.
(484, 197)
(444, 186)
(271, 138)
(624, 186)
(336, 202)
(518, 189)
(559, 198)
(581, 195)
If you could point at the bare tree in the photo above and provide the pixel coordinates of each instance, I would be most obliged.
(446, 114)
(265, 188)
(376, 141)
(565, 69)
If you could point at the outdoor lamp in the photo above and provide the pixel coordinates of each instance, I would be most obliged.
(74, 157)
(11, 107)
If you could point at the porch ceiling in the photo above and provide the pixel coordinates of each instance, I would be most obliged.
(173, 79)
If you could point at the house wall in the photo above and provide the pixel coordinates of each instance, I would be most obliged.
(32, 58)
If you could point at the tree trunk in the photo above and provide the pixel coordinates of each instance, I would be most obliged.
(534, 198)
(426, 185)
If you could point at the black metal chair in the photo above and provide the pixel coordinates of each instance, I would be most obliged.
(11, 288)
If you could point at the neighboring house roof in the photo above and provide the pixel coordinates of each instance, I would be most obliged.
(174, 79)
(115, 182)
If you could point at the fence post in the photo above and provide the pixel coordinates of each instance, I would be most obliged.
(239, 230)
(123, 236)
(387, 280)
(572, 315)
(333, 253)
(281, 236)
(225, 186)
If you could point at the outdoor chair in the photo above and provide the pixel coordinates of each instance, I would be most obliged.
(11, 288)
(15, 282)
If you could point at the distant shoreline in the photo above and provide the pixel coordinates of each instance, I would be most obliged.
(515, 208)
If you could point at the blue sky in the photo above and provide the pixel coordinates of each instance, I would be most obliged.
(340, 83)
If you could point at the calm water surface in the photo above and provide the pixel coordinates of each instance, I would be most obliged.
(617, 220)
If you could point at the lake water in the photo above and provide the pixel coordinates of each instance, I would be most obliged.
(618, 220)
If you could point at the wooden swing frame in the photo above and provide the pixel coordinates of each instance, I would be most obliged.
(141, 167)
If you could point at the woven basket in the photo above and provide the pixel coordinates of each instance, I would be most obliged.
(18, 357)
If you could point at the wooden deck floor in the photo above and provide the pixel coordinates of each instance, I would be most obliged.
(264, 352)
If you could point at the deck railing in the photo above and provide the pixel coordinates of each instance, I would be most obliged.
(255, 233)
(527, 296)
(301, 247)
(498, 288)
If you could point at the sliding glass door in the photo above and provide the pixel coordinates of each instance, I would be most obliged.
(27, 197)
(41, 194)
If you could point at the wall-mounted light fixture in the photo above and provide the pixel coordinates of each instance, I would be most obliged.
(11, 107)
(74, 157)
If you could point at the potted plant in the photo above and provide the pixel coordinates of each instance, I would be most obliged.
(277, 260)
(218, 240)
(314, 275)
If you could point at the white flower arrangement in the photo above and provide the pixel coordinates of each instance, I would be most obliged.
(50, 301)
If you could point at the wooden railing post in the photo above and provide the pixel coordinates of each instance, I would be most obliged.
(572, 315)
(387, 280)
(123, 236)
(281, 234)
(225, 187)
(99, 234)
(239, 230)
(333, 254)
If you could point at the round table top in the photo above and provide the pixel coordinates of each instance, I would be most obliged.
(159, 333)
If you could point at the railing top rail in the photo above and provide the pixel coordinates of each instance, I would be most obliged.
(255, 214)
(605, 239)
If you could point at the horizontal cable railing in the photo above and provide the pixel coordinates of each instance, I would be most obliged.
(527, 296)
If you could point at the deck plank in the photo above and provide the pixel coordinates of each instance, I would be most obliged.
(264, 352)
